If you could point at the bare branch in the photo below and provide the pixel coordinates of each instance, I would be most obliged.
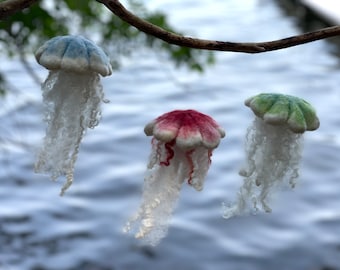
(9, 7)
(119, 10)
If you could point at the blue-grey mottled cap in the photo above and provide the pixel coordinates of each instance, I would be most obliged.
(73, 53)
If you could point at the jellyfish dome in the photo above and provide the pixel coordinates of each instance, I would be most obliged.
(274, 144)
(75, 54)
(182, 146)
(72, 94)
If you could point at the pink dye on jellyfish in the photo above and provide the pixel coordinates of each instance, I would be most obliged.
(182, 146)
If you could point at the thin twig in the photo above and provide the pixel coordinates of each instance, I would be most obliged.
(119, 10)
(10, 7)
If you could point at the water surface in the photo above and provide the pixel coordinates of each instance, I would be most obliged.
(82, 230)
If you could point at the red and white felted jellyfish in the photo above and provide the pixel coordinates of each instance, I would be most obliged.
(182, 145)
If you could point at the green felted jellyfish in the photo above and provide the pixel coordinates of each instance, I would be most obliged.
(274, 145)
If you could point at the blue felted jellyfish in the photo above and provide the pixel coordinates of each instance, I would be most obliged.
(72, 94)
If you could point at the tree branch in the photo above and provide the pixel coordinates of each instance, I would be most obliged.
(9, 7)
(119, 10)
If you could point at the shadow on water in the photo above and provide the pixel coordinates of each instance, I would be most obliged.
(308, 20)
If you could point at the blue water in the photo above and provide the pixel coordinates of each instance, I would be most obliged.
(83, 229)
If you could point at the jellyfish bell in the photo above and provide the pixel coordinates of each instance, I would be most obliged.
(182, 145)
(284, 110)
(72, 94)
(185, 135)
(274, 144)
(75, 54)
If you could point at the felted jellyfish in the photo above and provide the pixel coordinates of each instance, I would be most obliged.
(182, 145)
(72, 94)
(274, 145)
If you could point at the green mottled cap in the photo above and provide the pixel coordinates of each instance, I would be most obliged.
(279, 109)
